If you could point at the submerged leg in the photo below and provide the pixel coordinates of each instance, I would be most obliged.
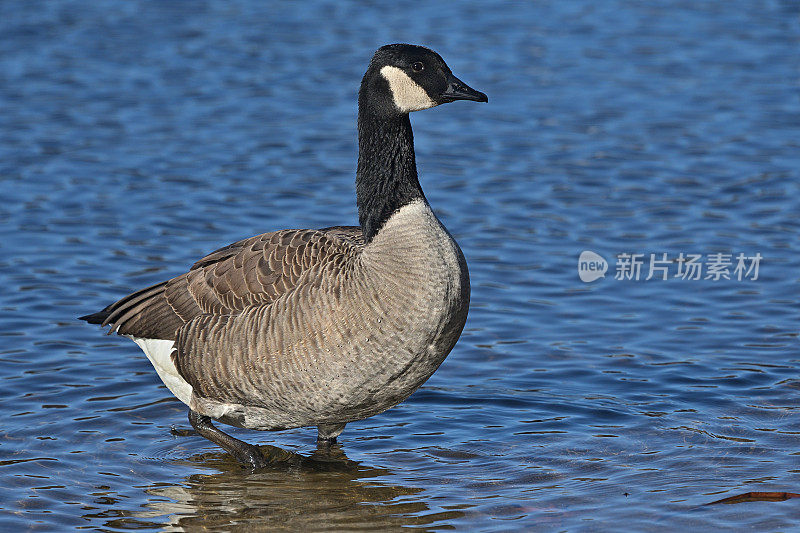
(247, 454)
(327, 433)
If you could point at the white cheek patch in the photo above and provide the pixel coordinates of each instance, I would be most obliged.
(408, 95)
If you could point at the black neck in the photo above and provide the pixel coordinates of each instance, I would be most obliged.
(386, 178)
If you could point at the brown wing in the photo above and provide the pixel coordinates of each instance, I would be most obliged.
(248, 273)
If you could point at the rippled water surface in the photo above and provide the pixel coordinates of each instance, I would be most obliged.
(136, 136)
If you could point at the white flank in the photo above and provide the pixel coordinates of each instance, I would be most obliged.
(159, 352)
(408, 95)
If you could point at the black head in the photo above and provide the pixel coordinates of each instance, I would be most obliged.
(402, 78)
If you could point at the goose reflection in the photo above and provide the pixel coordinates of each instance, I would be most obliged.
(295, 492)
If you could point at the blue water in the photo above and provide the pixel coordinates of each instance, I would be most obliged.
(136, 136)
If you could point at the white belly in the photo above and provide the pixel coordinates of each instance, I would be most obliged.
(159, 352)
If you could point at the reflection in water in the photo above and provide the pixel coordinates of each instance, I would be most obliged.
(324, 490)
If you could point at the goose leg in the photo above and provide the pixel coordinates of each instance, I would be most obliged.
(243, 452)
(327, 433)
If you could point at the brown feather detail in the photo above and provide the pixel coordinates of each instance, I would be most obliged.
(259, 270)
(352, 234)
(250, 273)
(265, 270)
(181, 299)
(357, 332)
(144, 313)
(158, 322)
(119, 307)
(207, 301)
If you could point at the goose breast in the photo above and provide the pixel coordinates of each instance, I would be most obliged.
(358, 333)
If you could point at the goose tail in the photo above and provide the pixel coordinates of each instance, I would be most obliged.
(98, 317)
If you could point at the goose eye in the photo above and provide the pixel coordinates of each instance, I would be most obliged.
(417, 67)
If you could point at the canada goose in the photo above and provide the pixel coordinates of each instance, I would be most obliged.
(319, 327)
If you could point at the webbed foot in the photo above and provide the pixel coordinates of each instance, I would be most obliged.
(247, 454)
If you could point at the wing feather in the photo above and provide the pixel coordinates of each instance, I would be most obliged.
(249, 273)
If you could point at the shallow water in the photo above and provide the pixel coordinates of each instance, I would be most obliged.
(137, 136)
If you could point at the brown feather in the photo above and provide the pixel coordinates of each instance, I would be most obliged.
(249, 273)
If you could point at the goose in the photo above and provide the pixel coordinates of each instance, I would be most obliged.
(319, 327)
